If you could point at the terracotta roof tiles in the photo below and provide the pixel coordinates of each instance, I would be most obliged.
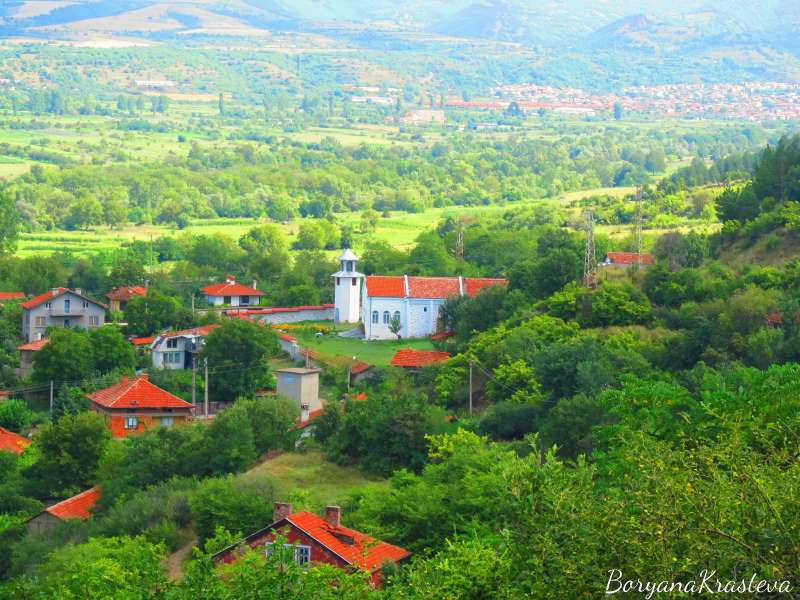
(408, 357)
(230, 288)
(77, 507)
(34, 346)
(136, 393)
(126, 292)
(629, 258)
(12, 442)
(11, 295)
(427, 287)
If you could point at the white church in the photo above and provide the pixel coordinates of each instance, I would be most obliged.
(415, 301)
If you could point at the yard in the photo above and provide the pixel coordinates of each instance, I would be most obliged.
(378, 353)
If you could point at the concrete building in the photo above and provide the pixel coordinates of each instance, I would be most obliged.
(60, 307)
(177, 349)
(347, 281)
(302, 386)
(26, 354)
(77, 507)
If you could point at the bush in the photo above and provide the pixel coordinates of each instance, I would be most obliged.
(15, 415)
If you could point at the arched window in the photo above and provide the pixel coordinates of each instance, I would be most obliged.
(397, 315)
(386, 317)
(375, 317)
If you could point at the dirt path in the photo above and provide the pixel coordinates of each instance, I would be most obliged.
(175, 560)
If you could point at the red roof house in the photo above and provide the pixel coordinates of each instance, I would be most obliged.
(416, 359)
(232, 293)
(135, 405)
(403, 286)
(11, 296)
(26, 352)
(318, 540)
(625, 259)
(77, 507)
(119, 296)
(12, 442)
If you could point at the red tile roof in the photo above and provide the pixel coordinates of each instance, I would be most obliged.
(360, 396)
(55, 293)
(630, 258)
(12, 442)
(775, 318)
(442, 335)
(126, 292)
(365, 552)
(230, 288)
(427, 287)
(194, 331)
(311, 416)
(359, 367)
(143, 341)
(77, 507)
(136, 393)
(408, 357)
(33, 346)
(11, 295)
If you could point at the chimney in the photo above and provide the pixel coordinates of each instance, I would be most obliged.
(123, 380)
(333, 515)
(255, 284)
(281, 510)
(144, 377)
(230, 279)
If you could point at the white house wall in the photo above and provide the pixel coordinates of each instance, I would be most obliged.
(418, 317)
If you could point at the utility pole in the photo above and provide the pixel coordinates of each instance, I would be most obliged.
(151, 255)
(194, 380)
(589, 257)
(192, 303)
(460, 241)
(205, 390)
(470, 387)
(637, 227)
(51, 399)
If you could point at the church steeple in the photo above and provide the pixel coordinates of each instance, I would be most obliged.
(347, 289)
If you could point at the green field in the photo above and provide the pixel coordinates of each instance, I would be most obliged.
(310, 481)
(378, 353)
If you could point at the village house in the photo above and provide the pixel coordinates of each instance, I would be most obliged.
(414, 360)
(119, 296)
(77, 507)
(13, 442)
(312, 540)
(135, 405)
(177, 349)
(626, 259)
(26, 354)
(60, 307)
(6, 296)
(415, 302)
(232, 293)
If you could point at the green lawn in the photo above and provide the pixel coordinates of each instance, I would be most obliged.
(378, 353)
(308, 477)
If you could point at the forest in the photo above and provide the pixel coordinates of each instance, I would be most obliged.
(648, 425)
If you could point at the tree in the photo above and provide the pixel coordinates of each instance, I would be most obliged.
(15, 415)
(66, 357)
(111, 351)
(237, 353)
(150, 314)
(395, 325)
(8, 224)
(618, 111)
(71, 449)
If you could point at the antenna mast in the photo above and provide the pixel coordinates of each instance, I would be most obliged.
(589, 257)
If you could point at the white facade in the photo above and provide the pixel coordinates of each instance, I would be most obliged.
(347, 289)
(176, 350)
(419, 317)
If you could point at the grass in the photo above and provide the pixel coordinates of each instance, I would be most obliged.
(312, 479)
(378, 353)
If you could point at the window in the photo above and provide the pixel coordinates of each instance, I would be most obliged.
(425, 309)
(66, 323)
(167, 421)
(172, 358)
(66, 305)
(85, 305)
(386, 317)
(397, 315)
(41, 321)
(131, 422)
(375, 317)
(338, 280)
(172, 343)
(47, 305)
(300, 554)
(244, 300)
(94, 321)
(226, 300)
(354, 281)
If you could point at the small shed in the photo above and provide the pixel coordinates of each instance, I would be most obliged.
(302, 386)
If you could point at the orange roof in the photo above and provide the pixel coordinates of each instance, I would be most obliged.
(427, 287)
(361, 396)
(408, 357)
(195, 331)
(359, 367)
(13, 442)
(33, 346)
(630, 258)
(55, 293)
(11, 295)
(311, 416)
(143, 341)
(230, 288)
(77, 507)
(136, 393)
(365, 552)
(126, 292)
(442, 335)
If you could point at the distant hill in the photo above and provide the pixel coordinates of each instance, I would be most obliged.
(498, 20)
